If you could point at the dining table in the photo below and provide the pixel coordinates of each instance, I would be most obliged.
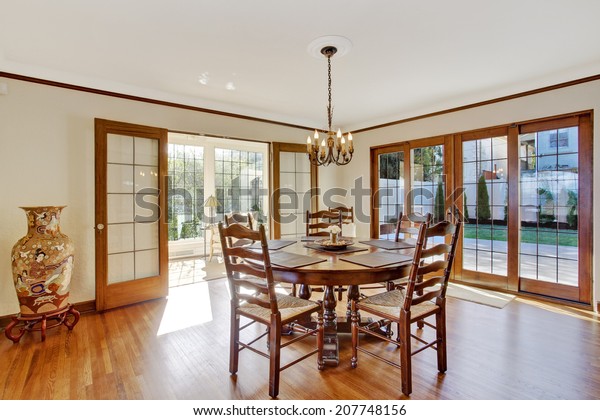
(307, 263)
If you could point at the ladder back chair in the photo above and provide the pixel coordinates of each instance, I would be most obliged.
(244, 219)
(346, 212)
(408, 225)
(253, 297)
(407, 228)
(318, 221)
(417, 302)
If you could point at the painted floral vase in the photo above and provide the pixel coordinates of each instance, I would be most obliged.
(42, 263)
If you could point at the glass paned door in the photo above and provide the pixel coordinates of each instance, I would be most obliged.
(132, 173)
(391, 191)
(130, 224)
(485, 205)
(427, 181)
(549, 185)
(294, 188)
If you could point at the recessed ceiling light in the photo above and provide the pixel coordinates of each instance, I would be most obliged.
(203, 78)
(230, 86)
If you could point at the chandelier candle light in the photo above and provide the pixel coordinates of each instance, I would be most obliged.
(332, 149)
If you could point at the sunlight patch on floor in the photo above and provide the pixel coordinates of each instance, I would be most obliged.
(186, 306)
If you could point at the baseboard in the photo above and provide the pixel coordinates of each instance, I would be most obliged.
(82, 307)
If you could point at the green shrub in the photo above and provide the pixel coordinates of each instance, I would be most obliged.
(483, 200)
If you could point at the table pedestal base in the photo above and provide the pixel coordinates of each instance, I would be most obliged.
(46, 321)
(331, 352)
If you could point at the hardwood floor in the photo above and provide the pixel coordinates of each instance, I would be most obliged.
(178, 349)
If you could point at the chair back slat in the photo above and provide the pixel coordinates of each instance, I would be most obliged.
(427, 296)
(245, 253)
(432, 267)
(245, 219)
(430, 282)
(242, 261)
(437, 249)
(247, 269)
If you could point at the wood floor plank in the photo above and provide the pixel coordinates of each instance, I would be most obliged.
(527, 350)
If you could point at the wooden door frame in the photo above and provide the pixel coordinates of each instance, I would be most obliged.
(406, 147)
(314, 181)
(114, 295)
(470, 276)
(583, 292)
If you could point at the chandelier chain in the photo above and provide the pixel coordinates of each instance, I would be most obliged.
(332, 149)
(329, 109)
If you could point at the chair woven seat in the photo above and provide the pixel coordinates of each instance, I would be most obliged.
(388, 305)
(290, 308)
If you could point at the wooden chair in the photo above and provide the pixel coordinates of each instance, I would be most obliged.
(406, 307)
(407, 229)
(253, 297)
(346, 212)
(244, 219)
(408, 225)
(322, 219)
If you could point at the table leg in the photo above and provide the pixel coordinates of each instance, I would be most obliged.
(331, 354)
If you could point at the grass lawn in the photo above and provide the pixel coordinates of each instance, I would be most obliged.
(528, 235)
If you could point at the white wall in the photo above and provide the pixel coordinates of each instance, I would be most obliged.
(571, 99)
(47, 157)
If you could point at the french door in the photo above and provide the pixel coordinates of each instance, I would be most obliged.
(131, 228)
(409, 177)
(527, 204)
(294, 189)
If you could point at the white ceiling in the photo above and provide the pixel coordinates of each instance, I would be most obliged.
(408, 57)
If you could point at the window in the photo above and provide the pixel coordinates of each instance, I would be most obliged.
(239, 182)
(233, 171)
(186, 191)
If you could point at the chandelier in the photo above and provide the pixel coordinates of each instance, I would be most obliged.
(334, 148)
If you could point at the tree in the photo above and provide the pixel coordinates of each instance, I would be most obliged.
(465, 207)
(572, 213)
(483, 200)
(439, 204)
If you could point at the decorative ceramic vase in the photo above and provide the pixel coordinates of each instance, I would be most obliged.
(42, 263)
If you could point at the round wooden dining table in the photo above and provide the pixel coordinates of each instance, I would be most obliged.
(332, 272)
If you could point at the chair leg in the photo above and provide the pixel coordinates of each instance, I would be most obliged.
(405, 356)
(274, 354)
(354, 319)
(440, 327)
(234, 338)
